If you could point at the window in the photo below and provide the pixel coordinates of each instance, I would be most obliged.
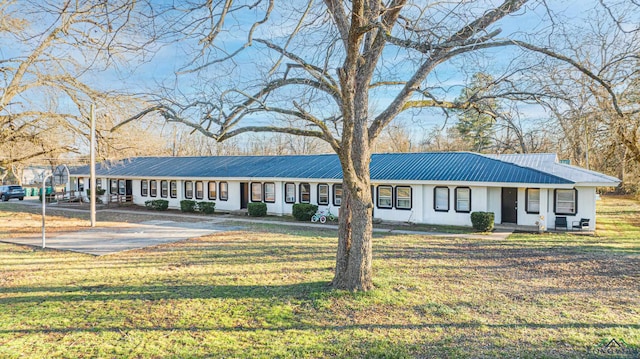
(256, 192)
(463, 199)
(188, 189)
(114, 187)
(533, 200)
(121, 187)
(99, 183)
(403, 197)
(164, 189)
(153, 188)
(566, 201)
(385, 197)
(337, 194)
(305, 193)
(441, 199)
(144, 188)
(199, 190)
(290, 193)
(173, 189)
(323, 193)
(212, 190)
(270, 192)
(224, 191)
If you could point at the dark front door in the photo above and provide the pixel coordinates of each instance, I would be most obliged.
(128, 187)
(510, 205)
(244, 195)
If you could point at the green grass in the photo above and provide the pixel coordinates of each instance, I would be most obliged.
(263, 293)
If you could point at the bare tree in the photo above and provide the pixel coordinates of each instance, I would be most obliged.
(597, 117)
(327, 66)
(51, 68)
(395, 138)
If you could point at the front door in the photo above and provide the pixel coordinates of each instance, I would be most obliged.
(244, 195)
(128, 187)
(510, 205)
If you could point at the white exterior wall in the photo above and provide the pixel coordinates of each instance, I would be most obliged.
(524, 218)
(233, 196)
(483, 198)
(479, 202)
(136, 188)
(494, 203)
(283, 208)
(586, 208)
(232, 203)
(286, 208)
(413, 215)
(72, 185)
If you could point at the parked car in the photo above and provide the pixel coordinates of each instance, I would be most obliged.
(11, 191)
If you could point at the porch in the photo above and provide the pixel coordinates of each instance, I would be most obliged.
(534, 229)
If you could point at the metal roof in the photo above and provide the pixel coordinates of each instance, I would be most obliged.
(548, 162)
(433, 166)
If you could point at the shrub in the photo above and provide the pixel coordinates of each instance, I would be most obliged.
(304, 211)
(99, 192)
(257, 209)
(482, 221)
(188, 205)
(157, 204)
(207, 207)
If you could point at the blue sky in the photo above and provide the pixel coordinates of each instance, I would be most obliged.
(135, 76)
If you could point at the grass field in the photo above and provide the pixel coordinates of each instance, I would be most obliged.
(263, 293)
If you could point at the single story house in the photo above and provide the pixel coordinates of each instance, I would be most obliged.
(432, 188)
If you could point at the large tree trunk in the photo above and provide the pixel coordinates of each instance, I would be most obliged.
(354, 256)
(353, 261)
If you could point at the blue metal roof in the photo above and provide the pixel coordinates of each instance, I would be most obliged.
(434, 166)
(454, 166)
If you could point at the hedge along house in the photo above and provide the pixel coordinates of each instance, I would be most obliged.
(431, 188)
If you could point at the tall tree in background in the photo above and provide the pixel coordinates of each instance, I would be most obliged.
(324, 65)
(476, 124)
(597, 118)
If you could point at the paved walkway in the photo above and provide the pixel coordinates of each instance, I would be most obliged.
(168, 228)
(500, 233)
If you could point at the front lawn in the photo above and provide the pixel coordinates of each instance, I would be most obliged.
(263, 293)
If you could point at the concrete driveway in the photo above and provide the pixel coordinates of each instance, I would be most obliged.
(106, 240)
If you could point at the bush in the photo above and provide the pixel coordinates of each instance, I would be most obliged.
(207, 207)
(99, 192)
(157, 204)
(257, 209)
(304, 211)
(482, 221)
(188, 205)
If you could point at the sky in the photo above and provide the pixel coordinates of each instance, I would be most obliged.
(133, 75)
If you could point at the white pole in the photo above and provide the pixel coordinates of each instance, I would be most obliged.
(92, 179)
(44, 201)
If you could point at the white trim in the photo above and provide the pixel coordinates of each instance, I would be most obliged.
(374, 182)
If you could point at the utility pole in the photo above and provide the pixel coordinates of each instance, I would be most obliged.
(92, 179)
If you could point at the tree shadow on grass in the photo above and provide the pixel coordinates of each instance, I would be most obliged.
(323, 327)
(28, 294)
